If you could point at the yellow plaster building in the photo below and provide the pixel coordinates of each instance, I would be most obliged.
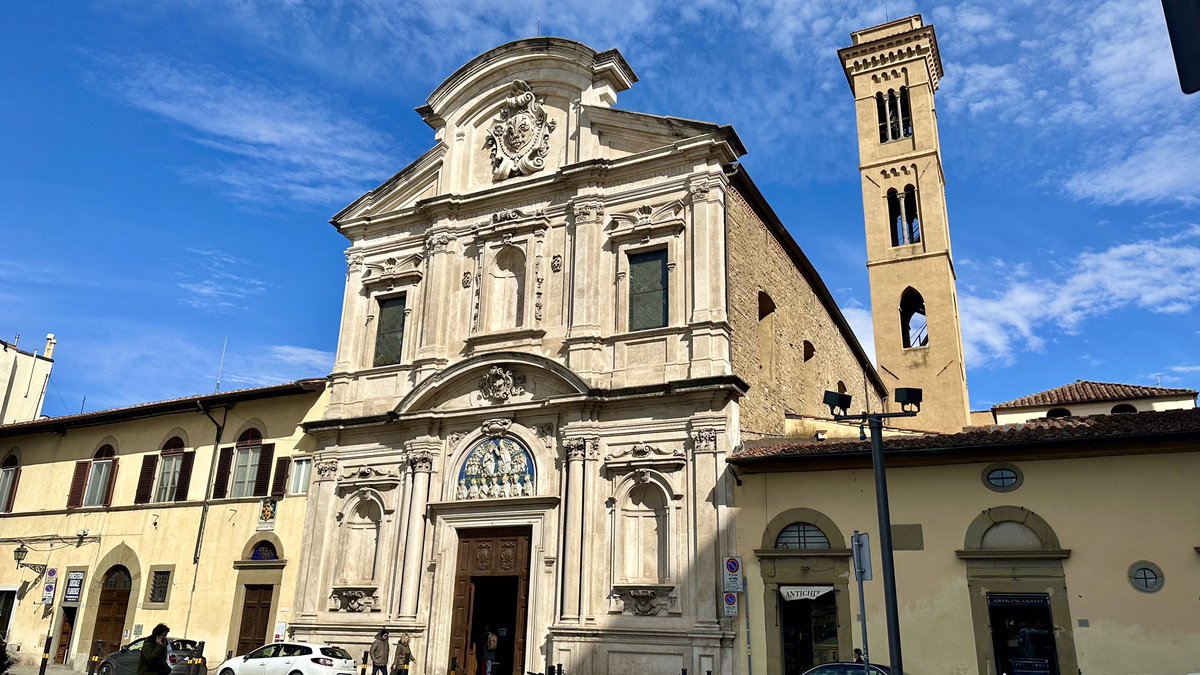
(126, 520)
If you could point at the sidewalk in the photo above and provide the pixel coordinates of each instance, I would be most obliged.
(50, 670)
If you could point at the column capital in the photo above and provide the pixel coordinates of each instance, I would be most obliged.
(581, 447)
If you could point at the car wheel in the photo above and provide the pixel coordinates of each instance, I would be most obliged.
(295, 672)
(106, 669)
(227, 672)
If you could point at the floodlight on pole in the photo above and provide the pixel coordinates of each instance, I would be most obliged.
(909, 400)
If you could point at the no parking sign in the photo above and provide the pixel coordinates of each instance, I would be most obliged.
(730, 604)
(732, 569)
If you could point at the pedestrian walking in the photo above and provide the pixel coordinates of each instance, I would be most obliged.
(858, 656)
(404, 656)
(379, 654)
(153, 657)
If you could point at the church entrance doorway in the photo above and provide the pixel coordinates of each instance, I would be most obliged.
(1022, 634)
(491, 592)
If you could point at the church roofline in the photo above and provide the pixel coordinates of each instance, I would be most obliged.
(746, 187)
(609, 65)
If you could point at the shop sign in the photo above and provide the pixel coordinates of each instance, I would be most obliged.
(732, 572)
(1018, 600)
(803, 592)
(74, 588)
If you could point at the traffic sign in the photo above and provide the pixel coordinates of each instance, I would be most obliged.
(860, 544)
(730, 604)
(732, 570)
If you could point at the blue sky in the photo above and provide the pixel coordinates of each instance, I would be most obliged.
(167, 170)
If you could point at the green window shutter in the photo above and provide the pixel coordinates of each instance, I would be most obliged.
(389, 334)
(648, 290)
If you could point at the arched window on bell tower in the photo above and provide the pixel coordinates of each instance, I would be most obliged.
(903, 221)
(914, 327)
(895, 115)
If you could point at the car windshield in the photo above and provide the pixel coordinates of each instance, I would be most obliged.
(336, 653)
(183, 645)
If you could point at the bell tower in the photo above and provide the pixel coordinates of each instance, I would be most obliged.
(893, 71)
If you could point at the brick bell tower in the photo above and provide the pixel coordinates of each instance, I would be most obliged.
(893, 71)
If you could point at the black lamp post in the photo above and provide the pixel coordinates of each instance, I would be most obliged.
(910, 403)
(20, 553)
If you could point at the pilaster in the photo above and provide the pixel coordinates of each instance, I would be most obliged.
(420, 458)
(584, 349)
(432, 354)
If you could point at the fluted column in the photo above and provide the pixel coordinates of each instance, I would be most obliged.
(414, 546)
(573, 536)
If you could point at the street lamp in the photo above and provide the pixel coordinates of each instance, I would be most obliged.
(909, 400)
(20, 553)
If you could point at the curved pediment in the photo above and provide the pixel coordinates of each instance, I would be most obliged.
(493, 379)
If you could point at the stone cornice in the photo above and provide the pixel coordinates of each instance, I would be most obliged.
(886, 52)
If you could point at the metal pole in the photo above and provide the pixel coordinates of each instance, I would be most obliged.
(885, 546)
(862, 605)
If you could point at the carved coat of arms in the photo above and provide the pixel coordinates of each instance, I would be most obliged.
(520, 137)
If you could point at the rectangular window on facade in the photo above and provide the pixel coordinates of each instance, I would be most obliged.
(648, 290)
(160, 584)
(389, 334)
(168, 478)
(245, 471)
(97, 486)
(301, 471)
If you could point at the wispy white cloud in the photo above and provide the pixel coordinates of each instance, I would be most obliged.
(215, 280)
(1158, 275)
(1161, 167)
(270, 143)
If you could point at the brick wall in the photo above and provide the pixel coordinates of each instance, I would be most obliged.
(759, 262)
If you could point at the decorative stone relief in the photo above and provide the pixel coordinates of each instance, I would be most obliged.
(350, 599)
(499, 385)
(438, 241)
(421, 460)
(508, 554)
(454, 438)
(327, 469)
(354, 261)
(496, 468)
(581, 448)
(556, 263)
(588, 210)
(647, 221)
(704, 439)
(466, 280)
(520, 137)
(483, 555)
(495, 428)
(645, 600)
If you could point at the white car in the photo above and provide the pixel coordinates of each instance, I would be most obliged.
(291, 658)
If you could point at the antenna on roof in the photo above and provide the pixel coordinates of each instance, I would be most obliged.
(221, 367)
(539, 26)
(81, 404)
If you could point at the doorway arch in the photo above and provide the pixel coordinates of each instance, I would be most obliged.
(113, 605)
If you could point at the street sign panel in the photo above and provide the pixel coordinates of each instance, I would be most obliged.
(732, 572)
(49, 586)
(730, 604)
(860, 544)
(74, 587)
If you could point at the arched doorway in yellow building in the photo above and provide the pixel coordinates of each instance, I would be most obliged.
(1018, 590)
(112, 608)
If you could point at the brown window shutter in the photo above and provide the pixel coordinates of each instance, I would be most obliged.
(12, 493)
(145, 487)
(221, 482)
(185, 476)
(112, 483)
(262, 479)
(78, 483)
(279, 486)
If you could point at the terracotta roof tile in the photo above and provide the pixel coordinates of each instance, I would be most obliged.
(1083, 391)
(1159, 423)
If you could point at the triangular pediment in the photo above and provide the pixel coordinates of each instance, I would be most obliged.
(410, 185)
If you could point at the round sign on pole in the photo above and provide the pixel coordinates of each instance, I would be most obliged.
(733, 565)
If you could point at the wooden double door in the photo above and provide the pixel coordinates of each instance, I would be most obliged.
(256, 617)
(491, 592)
(111, 609)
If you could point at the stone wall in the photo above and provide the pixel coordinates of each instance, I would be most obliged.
(781, 379)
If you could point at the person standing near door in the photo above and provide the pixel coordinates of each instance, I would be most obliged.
(379, 654)
(486, 650)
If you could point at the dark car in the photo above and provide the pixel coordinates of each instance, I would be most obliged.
(847, 669)
(183, 655)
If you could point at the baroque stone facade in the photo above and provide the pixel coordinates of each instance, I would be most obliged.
(551, 434)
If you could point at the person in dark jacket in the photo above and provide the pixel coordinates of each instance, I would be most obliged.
(379, 654)
(403, 656)
(153, 658)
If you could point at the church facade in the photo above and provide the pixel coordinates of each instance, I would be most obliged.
(557, 324)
